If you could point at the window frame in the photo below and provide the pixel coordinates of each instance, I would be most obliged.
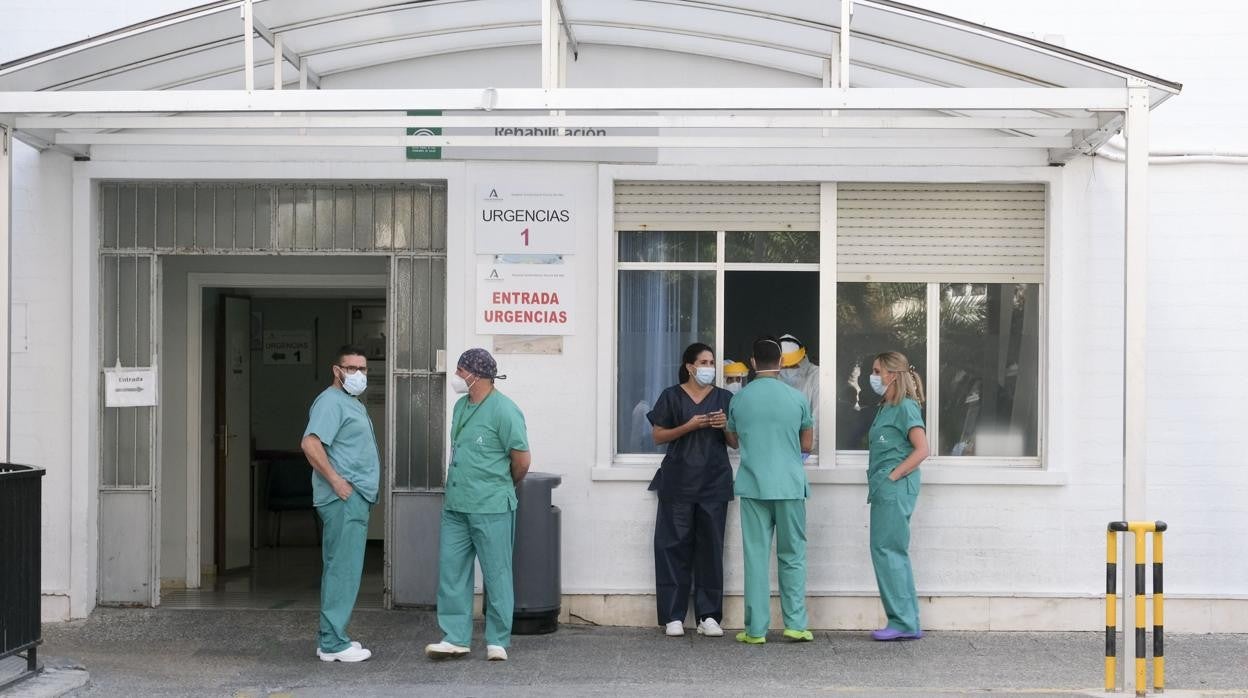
(846, 467)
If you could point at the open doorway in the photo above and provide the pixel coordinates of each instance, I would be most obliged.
(266, 356)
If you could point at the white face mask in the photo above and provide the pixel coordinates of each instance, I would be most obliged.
(458, 384)
(704, 375)
(733, 388)
(877, 384)
(355, 383)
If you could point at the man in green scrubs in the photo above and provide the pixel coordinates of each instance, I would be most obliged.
(771, 423)
(489, 455)
(340, 444)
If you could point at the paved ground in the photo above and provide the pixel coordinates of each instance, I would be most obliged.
(260, 653)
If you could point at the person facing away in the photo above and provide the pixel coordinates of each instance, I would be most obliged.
(898, 444)
(341, 446)
(772, 425)
(489, 456)
(694, 485)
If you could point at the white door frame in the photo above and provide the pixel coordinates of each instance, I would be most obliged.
(197, 282)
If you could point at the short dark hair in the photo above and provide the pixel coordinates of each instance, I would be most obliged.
(766, 353)
(348, 350)
(692, 352)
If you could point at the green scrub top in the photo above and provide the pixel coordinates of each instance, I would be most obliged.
(890, 441)
(342, 424)
(768, 417)
(483, 436)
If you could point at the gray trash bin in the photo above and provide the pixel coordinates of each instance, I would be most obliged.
(535, 560)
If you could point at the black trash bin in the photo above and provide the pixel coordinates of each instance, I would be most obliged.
(535, 560)
(20, 501)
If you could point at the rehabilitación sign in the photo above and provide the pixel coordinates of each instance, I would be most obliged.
(533, 299)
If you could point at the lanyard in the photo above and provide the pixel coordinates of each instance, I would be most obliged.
(457, 429)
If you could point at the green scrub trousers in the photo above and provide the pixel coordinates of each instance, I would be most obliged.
(787, 518)
(490, 539)
(344, 535)
(892, 503)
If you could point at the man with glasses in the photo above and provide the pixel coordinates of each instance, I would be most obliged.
(342, 448)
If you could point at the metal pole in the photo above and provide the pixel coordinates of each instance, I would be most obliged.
(847, 13)
(1135, 415)
(6, 226)
(249, 56)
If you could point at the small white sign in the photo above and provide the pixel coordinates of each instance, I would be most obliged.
(537, 216)
(287, 347)
(129, 387)
(534, 299)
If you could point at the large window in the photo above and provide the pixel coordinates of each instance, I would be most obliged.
(951, 275)
(670, 286)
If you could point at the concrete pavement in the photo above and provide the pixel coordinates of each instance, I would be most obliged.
(260, 653)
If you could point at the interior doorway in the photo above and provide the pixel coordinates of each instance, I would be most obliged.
(267, 354)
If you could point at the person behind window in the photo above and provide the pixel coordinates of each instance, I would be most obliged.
(898, 444)
(772, 425)
(797, 370)
(694, 484)
(734, 376)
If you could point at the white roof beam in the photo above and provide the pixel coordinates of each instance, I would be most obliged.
(719, 142)
(290, 56)
(575, 99)
(681, 121)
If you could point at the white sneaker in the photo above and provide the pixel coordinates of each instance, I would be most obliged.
(494, 653)
(356, 644)
(444, 650)
(354, 653)
(710, 628)
(675, 629)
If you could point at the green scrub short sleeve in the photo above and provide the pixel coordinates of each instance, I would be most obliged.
(910, 416)
(512, 432)
(324, 419)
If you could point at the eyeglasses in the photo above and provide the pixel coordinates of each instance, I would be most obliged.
(354, 369)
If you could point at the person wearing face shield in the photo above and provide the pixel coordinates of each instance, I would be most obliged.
(346, 470)
(489, 455)
(735, 373)
(694, 484)
(797, 371)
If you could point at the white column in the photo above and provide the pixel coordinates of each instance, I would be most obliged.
(550, 45)
(1134, 397)
(842, 54)
(249, 53)
(6, 285)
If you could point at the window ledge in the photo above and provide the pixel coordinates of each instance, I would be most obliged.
(932, 475)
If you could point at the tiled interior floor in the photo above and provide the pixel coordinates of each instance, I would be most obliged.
(288, 577)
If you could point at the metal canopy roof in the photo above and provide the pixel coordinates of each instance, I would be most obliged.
(891, 45)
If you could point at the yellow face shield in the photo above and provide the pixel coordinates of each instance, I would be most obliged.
(790, 359)
(736, 369)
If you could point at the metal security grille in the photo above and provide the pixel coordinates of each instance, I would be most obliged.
(940, 232)
(418, 319)
(127, 332)
(289, 218)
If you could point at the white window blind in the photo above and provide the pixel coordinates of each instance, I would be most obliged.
(716, 206)
(940, 232)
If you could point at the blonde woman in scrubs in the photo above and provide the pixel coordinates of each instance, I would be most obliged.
(898, 444)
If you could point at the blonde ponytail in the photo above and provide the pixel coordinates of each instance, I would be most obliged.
(909, 384)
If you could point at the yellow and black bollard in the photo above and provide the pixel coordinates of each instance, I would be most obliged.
(1138, 529)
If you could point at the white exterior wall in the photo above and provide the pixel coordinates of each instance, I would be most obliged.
(992, 554)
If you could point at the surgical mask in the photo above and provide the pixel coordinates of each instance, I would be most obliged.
(733, 388)
(355, 383)
(704, 375)
(790, 376)
(877, 384)
(458, 384)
